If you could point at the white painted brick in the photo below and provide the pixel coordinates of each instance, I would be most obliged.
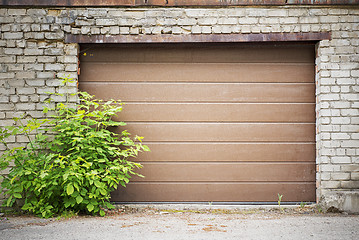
(349, 112)
(329, 97)
(350, 184)
(354, 120)
(350, 143)
(330, 184)
(349, 128)
(227, 21)
(124, 30)
(330, 112)
(340, 120)
(114, 30)
(15, 67)
(16, 12)
(33, 51)
(339, 136)
(54, 67)
(85, 29)
(248, 20)
(339, 104)
(331, 144)
(346, 81)
(340, 152)
(193, 21)
(340, 176)
(134, 30)
(254, 12)
(25, 106)
(340, 74)
(194, 12)
(27, 75)
(7, 75)
(354, 176)
(277, 13)
(350, 97)
(355, 73)
(350, 152)
(45, 75)
(196, 29)
(13, 35)
(106, 22)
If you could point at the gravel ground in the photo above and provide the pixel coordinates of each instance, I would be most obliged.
(214, 223)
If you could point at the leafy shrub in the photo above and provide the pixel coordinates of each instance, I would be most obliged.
(74, 169)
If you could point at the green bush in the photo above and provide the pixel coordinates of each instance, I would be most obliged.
(76, 166)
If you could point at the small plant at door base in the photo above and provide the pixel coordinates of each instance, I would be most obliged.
(279, 200)
(302, 204)
(75, 168)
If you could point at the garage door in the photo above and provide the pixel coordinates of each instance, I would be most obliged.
(224, 122)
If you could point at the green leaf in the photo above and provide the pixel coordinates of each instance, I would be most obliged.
(79, 199)
(17, 195)
(102, 213)
(109, 205)
(103, 191)
(70, 189)
(90, 207)
(146, 148)
(98, 184)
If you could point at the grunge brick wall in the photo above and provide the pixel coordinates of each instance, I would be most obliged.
(33, 54)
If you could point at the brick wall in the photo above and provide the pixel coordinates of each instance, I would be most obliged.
(33, 54)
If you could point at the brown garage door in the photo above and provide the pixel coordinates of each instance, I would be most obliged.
(225, 122)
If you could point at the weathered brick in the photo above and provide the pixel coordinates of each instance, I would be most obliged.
(35, 82)
(106, 22)
(33, 51)
(7, 75)
(46, 59)
(54, 67)
(54, 35)
(16, 12)
(54, 51)
(26, 59)
(330, 184)
(13, 35)
(28, 75)
(45, 75)
(350, 184)
(25, 106)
